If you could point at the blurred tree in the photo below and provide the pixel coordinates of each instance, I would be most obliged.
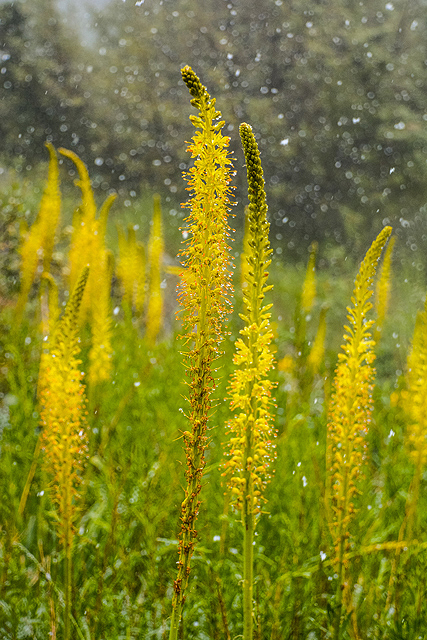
(335, 90)
(331, 88)
(41, 98)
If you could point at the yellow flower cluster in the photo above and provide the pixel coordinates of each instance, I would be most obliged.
(414, 401)
(131, 269)
(154, 318)
(39, 241)
(251, 448)
(315, 358)
(204, 290)
(206, 256)
(382, 291)
(244, 266)
(64, 435)
(351, 403)
(88, 246)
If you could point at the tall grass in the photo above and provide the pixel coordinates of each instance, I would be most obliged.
(98, 540)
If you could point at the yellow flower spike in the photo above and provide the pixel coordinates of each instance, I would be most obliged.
(244, 264)
(413, 400)
(81, 250)
(350, 410)
(83, 183)
(49, 304)
(250, 388)
(204, 297)
(286, 364)
(50, 208)
(316, 356)
(64, 435)
(155, 251)
(103, 215)
(125, 266)
(131, 270)
(39, 241)
(100, 364)
(88, 246)
(140, 278)
(382, 292)
(309, 287)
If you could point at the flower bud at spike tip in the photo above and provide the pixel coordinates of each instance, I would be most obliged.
(195, 87)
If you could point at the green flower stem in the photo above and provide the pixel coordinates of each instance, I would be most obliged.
(248, 562)
(348, 422)
(68, 577)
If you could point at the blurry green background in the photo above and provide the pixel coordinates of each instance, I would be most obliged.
(335, 91)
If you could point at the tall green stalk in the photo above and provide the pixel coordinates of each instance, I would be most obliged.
(248, 565)
(205, 286)
(251, 448)
(68, 570)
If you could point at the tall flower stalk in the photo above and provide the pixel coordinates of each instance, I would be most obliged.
(155, 251)
(204, 298)
(414, 404)
(308, 294)
(131, 271)
(382, 290)
(303, 370)
(251, 445)
(64, 435)
(349, 417)
(39, 241)
(88, 247)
